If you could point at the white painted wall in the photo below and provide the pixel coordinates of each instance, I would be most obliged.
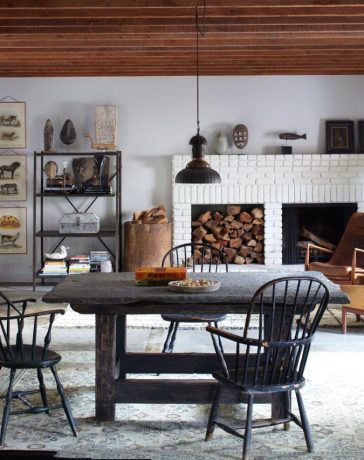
(157, 117)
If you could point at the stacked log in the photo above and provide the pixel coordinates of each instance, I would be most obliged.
(156, 215)
(239, 233)
(310, 237)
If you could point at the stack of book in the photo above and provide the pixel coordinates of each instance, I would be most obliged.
(54, 267)
(78, 264)
(96, 258)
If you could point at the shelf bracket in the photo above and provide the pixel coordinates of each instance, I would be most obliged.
(106, 246)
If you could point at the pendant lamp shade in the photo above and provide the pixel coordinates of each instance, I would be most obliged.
(198, 170)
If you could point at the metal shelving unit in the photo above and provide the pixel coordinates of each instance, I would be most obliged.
(43, 197)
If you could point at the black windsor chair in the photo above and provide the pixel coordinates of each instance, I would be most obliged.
(15, 354)
(211, 260)
(288, 311)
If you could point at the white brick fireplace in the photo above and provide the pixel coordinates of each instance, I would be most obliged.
(269, 180)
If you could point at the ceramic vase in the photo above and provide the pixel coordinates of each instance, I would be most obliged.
(221, 143)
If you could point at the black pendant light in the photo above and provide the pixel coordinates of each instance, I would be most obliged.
(198, 170)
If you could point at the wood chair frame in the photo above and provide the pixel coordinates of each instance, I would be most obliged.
(215, 258)
(16, 354)
(355, 276)
(273, 362)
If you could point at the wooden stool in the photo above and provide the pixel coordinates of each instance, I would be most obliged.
(356, 294)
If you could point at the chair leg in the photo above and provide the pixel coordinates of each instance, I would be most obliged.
(305, 424)
(219, 352)
(65, 403)
(173, 338)
(6, 411)
(213, 413)
(42, 389)
(219, 338)
(287, 408)
(170, 330)
(248, 428)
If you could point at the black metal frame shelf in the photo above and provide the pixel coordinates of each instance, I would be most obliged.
(55, 233)
(46, 275)
(58, 194)
(39, 209)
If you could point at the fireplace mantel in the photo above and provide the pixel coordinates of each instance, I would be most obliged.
(270, 180)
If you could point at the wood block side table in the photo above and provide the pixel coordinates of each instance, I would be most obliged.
(356, 294)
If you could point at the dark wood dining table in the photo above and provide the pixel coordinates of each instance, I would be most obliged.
(114, 296)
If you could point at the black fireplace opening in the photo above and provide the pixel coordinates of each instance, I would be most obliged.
(304, 223)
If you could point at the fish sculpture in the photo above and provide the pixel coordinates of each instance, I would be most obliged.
(292, 136)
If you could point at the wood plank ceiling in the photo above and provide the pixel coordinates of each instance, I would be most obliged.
(158, 37)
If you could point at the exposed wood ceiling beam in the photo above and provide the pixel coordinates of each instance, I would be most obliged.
(158, 37)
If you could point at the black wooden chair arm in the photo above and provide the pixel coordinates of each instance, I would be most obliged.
(24, 300)
(40, 313)
(233, 337)
(18, 301)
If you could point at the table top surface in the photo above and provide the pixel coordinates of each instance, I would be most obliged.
(96, 292)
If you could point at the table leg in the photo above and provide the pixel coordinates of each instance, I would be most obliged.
(121, 345)
(343, 320)
(105, 367)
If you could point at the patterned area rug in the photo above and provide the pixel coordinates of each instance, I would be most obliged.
(332, 397)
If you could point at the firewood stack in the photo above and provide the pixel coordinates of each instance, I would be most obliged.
(310, 237)
(239, 233)
(156, 215)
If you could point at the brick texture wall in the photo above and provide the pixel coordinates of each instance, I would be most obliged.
(269, 180)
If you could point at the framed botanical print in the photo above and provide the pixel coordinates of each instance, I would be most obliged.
(13, 177)
(340, 136)
(13, 230)
(12, 125)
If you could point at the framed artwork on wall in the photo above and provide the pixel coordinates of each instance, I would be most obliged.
(12, 125)
(106, 124)
(13, 177)
(13, 230)
(339, 136)
(361, 135)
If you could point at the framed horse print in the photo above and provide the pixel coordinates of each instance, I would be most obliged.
(12, 125)
(13, 230)
(13, 177)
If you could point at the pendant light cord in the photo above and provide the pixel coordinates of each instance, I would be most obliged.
(199, 31)
(197, 75)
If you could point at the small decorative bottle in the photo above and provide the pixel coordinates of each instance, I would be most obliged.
(221, 143)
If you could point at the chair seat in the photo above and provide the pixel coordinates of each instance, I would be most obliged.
(334, 272)
(249, 386)
(26, 361)
(180, 318)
